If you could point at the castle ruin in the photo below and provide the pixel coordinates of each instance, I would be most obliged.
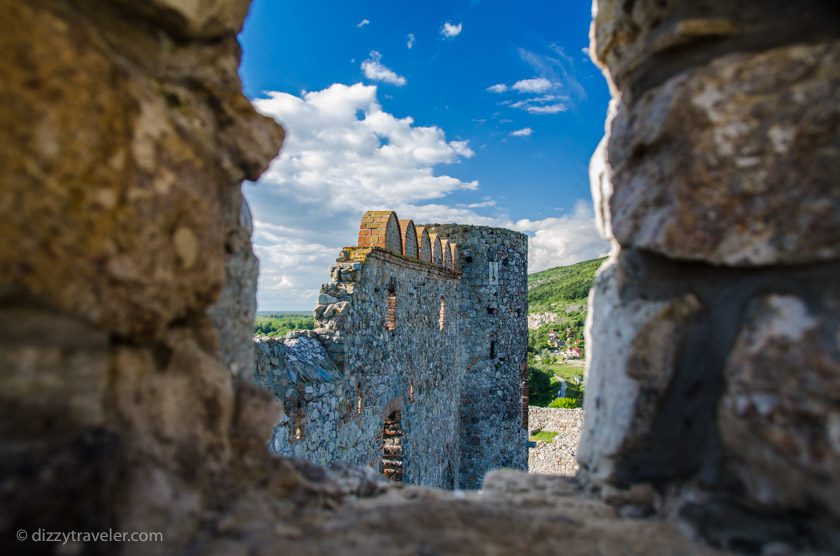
(418, 363)
(127, 286)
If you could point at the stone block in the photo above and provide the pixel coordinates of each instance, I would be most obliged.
(780, 414)
(633, 344)
(731, 163)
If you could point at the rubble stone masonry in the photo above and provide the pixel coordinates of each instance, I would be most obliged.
(445, 348)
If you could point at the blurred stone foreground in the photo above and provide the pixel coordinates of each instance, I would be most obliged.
(127, 287)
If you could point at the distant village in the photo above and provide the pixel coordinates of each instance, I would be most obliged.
(567, 348)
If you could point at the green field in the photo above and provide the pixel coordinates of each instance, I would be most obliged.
(543, 436)
(563, 371)
(279, 323)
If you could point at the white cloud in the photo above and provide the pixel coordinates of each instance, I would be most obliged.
(558, 68)
(343, 155)
(450, 30)
(533, 85)
(409, 41)
(375, 70)
(362, 23)
(545, 104)
(555, 89)
(524, 132)
(565, 240)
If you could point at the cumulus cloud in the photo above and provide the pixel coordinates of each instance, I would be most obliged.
(524, 132)
(563, 240)
(537, 103)
(343, 155)
(450, 30)
(375, 70)
(362, 23)
(409, 41)
(534, 85)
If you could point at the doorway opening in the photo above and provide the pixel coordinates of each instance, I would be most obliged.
(392, 449)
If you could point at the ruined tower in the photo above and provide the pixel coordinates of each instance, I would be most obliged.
(494, 358)
(416, 364)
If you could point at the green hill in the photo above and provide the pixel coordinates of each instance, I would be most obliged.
(553, 290)
(563, 291)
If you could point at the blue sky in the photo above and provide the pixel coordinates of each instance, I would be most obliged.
(471, 111)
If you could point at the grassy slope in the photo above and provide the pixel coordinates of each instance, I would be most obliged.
(556, 289)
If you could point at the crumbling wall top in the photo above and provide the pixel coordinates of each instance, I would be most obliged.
(380, 228)
(424, 244)
(409, 238)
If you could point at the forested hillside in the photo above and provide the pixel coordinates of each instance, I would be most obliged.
(553, 289)
(560, 295)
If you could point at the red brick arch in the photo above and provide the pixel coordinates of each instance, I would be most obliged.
(409, 238)
(446, 254)
(380, 228)
(424, 244)
(456, 257)
(437, 250)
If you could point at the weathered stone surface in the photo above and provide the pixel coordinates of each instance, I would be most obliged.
(763, 191)
(54, 370)
(123, 140)
(493, 330)
(233, 313)
(548, 514)
(626, 383)
(132, 188)
(558, 457)
(780, 414)
(205, 19)
(644, 42)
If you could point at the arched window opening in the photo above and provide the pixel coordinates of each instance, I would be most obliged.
(442, 315)
(392, 450)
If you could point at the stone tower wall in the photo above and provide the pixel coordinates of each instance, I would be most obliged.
(493, 318)
(714, 329)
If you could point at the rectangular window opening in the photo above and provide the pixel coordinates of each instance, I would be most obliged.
(391, 323)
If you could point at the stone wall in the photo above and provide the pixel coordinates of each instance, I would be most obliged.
(494, 333)
(126, 270)
(558, 457)
(713, 333)
(340, 408)
(445, 348)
